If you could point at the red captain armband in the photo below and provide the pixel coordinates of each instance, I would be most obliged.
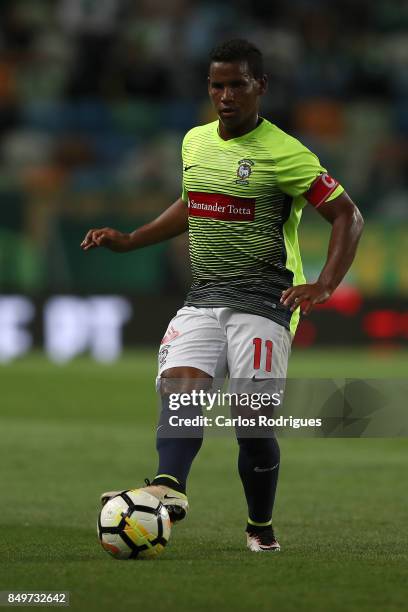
(321, 188)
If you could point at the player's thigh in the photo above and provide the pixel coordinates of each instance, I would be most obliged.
(257, 346)
(194, 339)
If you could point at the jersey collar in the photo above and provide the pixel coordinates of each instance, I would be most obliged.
(253, 132)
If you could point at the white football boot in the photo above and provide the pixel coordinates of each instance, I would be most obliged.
(262, 541)
(175, 502)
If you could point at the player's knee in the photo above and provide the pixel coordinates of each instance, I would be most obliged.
(185, 372)
(182, 380)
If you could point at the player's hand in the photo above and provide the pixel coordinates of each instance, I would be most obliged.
(106, 237)
(305, 296)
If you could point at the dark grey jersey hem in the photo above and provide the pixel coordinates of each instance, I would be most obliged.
(278, 314)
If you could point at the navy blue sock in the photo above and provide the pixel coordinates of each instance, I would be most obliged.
(176, 446)
(258, 465)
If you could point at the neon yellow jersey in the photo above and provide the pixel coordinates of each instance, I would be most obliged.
(245, 198)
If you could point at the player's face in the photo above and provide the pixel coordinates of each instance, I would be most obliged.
(235, 94)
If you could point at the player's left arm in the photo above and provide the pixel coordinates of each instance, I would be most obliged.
(347, 225)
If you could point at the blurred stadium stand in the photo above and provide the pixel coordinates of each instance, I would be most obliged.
(95, 96)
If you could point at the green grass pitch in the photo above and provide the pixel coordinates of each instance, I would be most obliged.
(68, 433)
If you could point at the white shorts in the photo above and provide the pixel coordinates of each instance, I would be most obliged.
(223, 341)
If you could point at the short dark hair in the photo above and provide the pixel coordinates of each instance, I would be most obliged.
(239, 50)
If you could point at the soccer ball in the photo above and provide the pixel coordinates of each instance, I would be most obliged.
(134, 525)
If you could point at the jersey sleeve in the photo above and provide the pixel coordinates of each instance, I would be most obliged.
(300, 173)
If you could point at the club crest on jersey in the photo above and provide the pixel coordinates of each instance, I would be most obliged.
(244, 171)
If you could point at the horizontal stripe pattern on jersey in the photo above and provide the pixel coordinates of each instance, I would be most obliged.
(249, 294)
(245, 199)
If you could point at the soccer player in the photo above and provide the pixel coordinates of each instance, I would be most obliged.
(245, 183)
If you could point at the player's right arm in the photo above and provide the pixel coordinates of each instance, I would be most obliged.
(172, 222)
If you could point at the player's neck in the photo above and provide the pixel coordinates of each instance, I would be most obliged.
(228, 133)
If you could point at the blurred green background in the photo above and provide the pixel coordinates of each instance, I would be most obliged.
(95, 97)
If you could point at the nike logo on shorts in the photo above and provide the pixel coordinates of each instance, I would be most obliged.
(261, 379)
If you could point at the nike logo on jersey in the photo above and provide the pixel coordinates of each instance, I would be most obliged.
(170, 497)
(188, 167)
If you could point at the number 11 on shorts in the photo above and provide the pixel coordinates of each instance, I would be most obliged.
(258, 353)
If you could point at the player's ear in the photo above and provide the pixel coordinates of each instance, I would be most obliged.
(262, 84)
